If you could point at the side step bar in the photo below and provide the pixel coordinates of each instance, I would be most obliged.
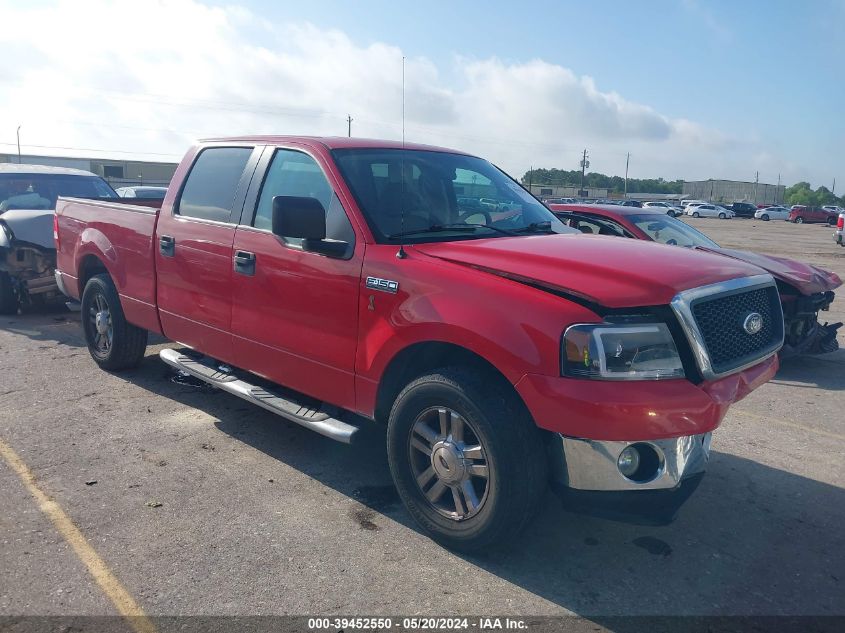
(318, 420)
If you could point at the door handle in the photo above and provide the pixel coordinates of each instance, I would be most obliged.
(167, 245)
(244, 262)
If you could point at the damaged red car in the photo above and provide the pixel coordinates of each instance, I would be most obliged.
(805, 290)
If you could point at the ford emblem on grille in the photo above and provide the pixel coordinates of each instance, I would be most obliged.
(753, 323)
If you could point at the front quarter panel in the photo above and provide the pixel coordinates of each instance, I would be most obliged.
(514, 327)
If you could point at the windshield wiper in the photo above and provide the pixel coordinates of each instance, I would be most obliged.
(461, 227)
(536, 227)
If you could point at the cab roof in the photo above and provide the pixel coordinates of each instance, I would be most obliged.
(333, 142)
(15, 168)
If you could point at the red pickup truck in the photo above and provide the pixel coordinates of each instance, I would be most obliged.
(334, 280)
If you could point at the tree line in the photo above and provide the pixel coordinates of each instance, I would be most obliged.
(799, 193)
(803, 193)
(593, 180)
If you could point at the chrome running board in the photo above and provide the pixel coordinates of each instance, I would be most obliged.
(207, 370)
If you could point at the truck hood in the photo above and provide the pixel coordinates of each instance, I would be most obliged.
(805, 278)
(600, 269)
(32, 226)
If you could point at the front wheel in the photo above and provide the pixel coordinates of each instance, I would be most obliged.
(799, 220)
(764, 217)
(466, 458)
(696, 214)
(113, 342)
(722, 216)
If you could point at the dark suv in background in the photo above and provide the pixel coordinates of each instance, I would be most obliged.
(742, 209)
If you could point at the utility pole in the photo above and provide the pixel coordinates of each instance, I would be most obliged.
(756, 181)
(777, 193)
(833, 190)
(349, 125)
(627, 160)
(19, 144)
(530, 179)
(584, 164)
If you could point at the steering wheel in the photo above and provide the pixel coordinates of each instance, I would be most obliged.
(672, 242)
(485, 214)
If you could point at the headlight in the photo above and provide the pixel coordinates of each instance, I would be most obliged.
(620, 352)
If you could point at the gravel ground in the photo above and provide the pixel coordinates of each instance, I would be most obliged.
(259, 516)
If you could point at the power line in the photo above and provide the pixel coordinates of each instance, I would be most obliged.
(91, 149)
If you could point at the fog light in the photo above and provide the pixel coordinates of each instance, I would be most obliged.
(629, 461)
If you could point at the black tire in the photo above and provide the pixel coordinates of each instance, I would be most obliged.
(8, 298)
(764, 217)
(126, 347)
(696, 214)
(832, 221)
(799, 220)
(516, 479)
(722, 216)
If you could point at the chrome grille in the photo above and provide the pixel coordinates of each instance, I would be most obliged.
(713, 318)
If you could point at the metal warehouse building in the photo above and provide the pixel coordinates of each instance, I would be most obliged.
(728, 191)
(119, 173)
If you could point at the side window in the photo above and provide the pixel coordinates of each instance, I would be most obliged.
(293, 173)
(212, 183)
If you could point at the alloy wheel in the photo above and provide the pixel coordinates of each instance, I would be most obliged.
(449, 463)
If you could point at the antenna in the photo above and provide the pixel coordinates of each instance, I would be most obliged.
(400, 254)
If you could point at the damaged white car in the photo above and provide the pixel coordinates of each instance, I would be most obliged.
(27, 252)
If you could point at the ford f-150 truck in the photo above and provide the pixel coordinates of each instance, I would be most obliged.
(335, 280)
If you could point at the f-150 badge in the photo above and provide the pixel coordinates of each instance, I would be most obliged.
(385, 285)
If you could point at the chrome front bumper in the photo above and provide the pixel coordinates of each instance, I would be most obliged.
(582, 464)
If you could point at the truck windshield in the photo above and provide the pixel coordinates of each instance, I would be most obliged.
(666, 230)
(424, 196)
(39, 191)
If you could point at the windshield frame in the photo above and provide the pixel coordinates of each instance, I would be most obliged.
(443, 233)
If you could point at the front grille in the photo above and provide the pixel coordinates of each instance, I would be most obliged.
(720, 319)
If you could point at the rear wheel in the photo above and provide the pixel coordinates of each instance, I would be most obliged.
(8, 298)
(113, 342)
(467, 460)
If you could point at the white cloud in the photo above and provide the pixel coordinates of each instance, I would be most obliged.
(116, 76)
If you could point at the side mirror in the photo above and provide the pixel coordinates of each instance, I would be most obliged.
(295, 216)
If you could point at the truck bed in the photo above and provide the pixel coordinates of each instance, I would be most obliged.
(119, 232)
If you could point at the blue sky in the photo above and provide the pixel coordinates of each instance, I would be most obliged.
(773, 69)
(692, 89)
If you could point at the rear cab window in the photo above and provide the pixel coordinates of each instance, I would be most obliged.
(212, 184)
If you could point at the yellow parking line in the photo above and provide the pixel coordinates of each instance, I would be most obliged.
(122, 600)
(794, 425)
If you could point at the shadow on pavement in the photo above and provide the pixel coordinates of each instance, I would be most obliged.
(824, 372)
(752, 540)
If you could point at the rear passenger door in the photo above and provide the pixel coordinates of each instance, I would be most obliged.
(295, 312)
(194, 250)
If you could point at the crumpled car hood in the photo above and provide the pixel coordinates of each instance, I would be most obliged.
(805, 278)
(32, 226)
(603, 270)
